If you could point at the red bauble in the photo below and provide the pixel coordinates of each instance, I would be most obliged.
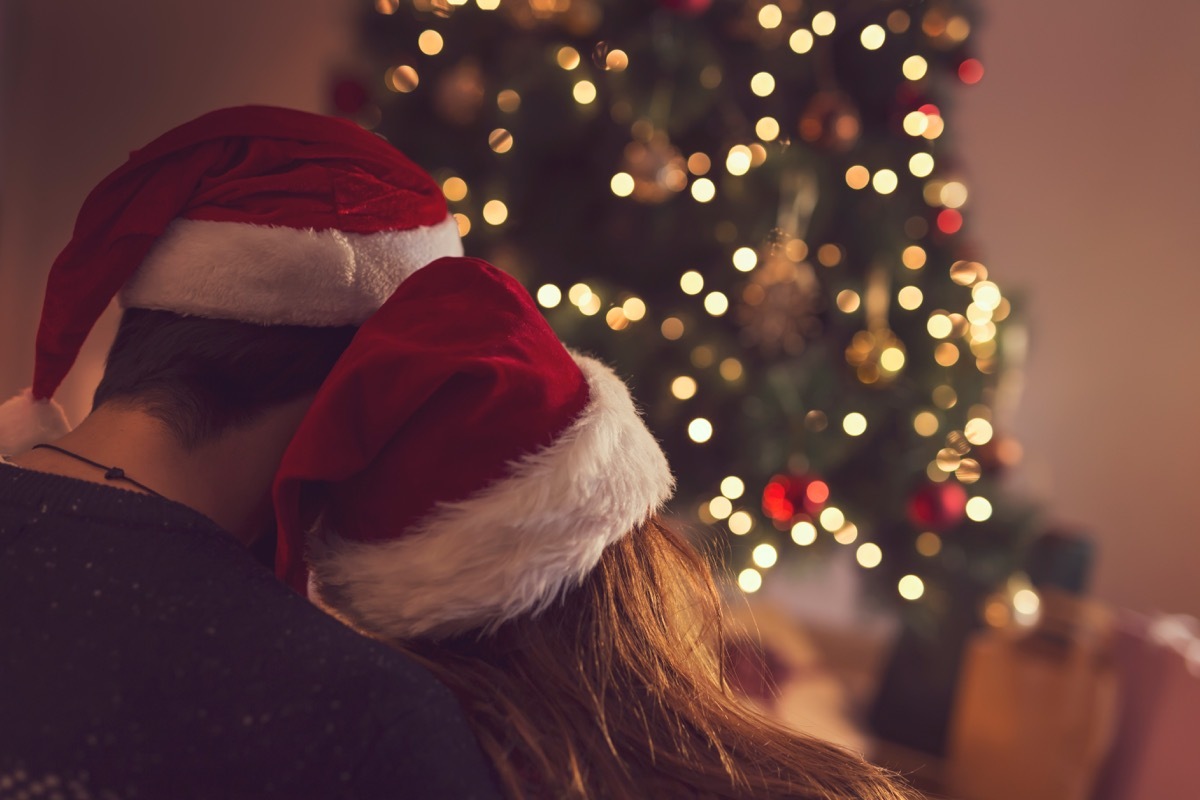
(349, 96)
(938, 506)
(787, 496)
(687, 8)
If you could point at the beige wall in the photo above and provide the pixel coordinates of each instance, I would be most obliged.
(1080, 145)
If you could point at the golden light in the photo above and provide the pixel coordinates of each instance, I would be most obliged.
(716, 303)
(929, 544)
(744, 259)
(454, 189)
(733, 487)
(691, 282)
(832, 518)
(671, 328)
(767, 129)
(699, 164)
(946, 354)
(1026, 601)
(953, 194)
(914, 68)
(634, 308)
(508, 101)
(868, 555)
(402, 79)
(921, 165)
(430, 43)
(495, 212)
(500, 140)
(740, 523)
(579, 294)
(872, 37)
(720, 507)
(939, 326)
(749, 580)
(913, 256)
(885, 181)
(591, 306)
(848, 301)
(829, 255)
(944, 396)
(769, 16)
(700, 430)
(823, 23)
(916, 123)
(568, 58)
(898, 21)
(584, 92)
(804, 533)
(464, 224)
(621, 184)
(730, 369)
(387, 7)
(616, 319)
(710, 76)
(738, 160)
(616, 61)
(683, 387)
(978, 431)
(910, 298)
(762, 84)
(549, 295)
(934, 125)
(488, 5)
(858, 177)
(847, 534)
(765, 555)
(703, 190)
(801, 41)
(969, 471)
(925, 423)
(911, 587)
(986, 295)
(978, 315)
(979, 509)
(948, 459)
(854, 424)
(891, 359)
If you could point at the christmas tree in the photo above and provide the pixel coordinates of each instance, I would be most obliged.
(752, 210)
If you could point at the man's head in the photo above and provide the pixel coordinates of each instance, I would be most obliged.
(265, 218)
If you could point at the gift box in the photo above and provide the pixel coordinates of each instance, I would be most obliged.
(1156, 754)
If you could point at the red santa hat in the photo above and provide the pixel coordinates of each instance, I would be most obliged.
(460, 467)
(258, 214)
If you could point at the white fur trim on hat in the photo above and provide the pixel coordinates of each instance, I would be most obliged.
(25, 422)
(281, 276)
(513, 547)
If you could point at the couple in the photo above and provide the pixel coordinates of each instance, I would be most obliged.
(474, 596)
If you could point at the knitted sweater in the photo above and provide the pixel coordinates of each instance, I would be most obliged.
(145, 654)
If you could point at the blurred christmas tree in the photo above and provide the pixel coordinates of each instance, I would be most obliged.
(751, 210)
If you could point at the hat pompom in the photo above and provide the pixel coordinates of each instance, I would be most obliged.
(25, 422)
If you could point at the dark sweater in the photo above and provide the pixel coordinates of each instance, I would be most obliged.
(145, 654)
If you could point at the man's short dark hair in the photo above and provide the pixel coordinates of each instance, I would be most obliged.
(204, 377)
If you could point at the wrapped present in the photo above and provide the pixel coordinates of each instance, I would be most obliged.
(1156, 754)
(1035, 708)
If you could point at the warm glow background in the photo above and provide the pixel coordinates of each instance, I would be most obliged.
(1080, 155)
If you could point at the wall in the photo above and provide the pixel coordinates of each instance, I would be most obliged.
(1080, 147)
(1081, 143)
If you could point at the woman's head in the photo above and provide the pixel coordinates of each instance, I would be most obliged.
(467, 467)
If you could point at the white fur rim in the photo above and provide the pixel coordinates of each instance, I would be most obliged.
(513, 547)
(281, 276)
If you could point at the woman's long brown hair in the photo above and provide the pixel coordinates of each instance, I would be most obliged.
(617, 691)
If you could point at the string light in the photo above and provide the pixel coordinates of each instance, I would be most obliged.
(823, 23)
(488, 5)
(671, 328)
(868, 555)
(700, 430)
(634, 309)
(804, 533)
(914, 68)
(921, 165)
(730, 369)
(703, 190)
(762, 84)
(691, 282)
(832, 518)
(616, 319)
(495, 212)
(767, 129)
(885, 181)
(769, 16)
(464, 224)
(716, 303)
(741, 523)
(508, 101)
(749, 580)
(910, 298)
(579, 294)
(744, 259)
(978, 431)
(979, 509)
(622, 184)
(939, 325)
(454, 189)
(584, 92)
(683, 387)
(929, 544)
(911, 587)
(549, 295)
(872, 37)
(801, 41)
(854, 424)
(568, 58)
(765, 555)
(720, 507)
(847, 534)
(913, 256)
(402, 79)
(738, 160)
(848, 301)
(925, 423)
(953, 194)
(858, 177)
(500, 140)
(430, 42)
(699, 164)
(733, 487)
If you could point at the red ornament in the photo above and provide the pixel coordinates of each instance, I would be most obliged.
(349, 96)
(787, 496)
(687, 8)
(938, 506)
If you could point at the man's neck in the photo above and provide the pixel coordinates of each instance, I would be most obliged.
(228, 479)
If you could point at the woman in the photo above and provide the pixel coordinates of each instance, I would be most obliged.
(466, 489)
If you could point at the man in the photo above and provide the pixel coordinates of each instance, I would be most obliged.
(144, 652)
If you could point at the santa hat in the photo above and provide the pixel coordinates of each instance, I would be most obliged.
(460, 467)
(258, 214)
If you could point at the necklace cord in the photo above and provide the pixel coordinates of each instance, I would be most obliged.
(110, 473)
